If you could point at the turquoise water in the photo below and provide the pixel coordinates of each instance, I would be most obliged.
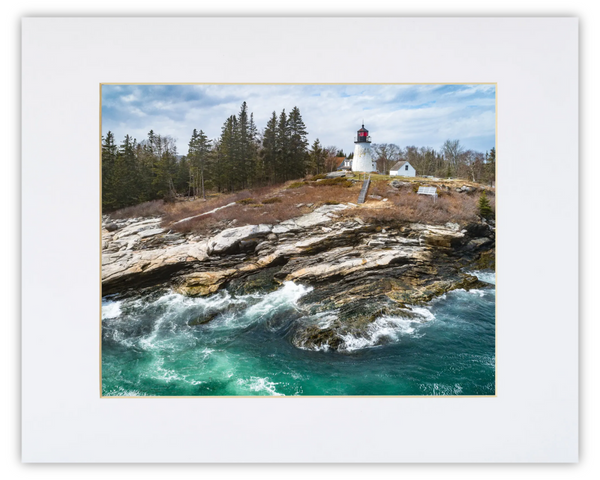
(148, 348)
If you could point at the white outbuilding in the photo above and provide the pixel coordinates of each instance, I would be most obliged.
(403, 169)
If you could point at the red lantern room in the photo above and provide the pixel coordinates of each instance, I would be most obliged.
(363, 135)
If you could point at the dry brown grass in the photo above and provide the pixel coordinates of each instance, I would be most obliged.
(407, 206)
(320, 195)
(189, 208)
(239, 215)
(155, 208)
(276, 207)
(279, 203)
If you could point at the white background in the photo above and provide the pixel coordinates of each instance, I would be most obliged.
(11, 449)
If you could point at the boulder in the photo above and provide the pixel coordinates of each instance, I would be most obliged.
(203, 283)
(228, 241)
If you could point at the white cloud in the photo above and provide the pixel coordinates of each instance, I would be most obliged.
(421, 115)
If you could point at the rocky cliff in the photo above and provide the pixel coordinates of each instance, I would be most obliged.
(360, 271)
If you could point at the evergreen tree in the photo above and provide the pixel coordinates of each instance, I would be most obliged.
(282, 166)
(182, 176)
(145, 164)
(109, 157)
(297, 145)
(317, 158)
(227, 159)
(485, 209)
(199, 147)
(125, 175)
(256, 164)
(165, 168)
(244, 147)
(490, 167)
(269, 149)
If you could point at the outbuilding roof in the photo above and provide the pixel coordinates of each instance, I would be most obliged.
(399, 165)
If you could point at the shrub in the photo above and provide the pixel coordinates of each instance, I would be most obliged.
(297, 184)
(246, 201)
(338, 182)
(331, 202)
(320, 176)
(269, 201)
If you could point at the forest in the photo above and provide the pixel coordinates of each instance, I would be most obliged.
(244, 157)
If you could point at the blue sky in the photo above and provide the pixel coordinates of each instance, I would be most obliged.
(420, 115)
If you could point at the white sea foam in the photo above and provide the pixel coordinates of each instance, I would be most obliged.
(440, 389)
(484, 276)
(325, 319)
(259, 384)
(473, 291)
(110, 309)
(123, 392)
(119, 337)
(287, 295)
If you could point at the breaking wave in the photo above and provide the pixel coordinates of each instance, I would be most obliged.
(387, 329)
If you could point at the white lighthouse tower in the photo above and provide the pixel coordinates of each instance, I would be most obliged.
(362, 161)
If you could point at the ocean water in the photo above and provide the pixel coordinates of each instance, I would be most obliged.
(149, 348)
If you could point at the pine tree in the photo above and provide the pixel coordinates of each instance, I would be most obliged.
(256, 164)
(182, 175)
(282, 166)
(269, 149)
(109, 157)
(317, 158)
(165, 168)
(145, 164)
(227, 159)
(490, 167)
(243, 147)
(199, 147)
(297, 145)
(485, 209)
(125, 175)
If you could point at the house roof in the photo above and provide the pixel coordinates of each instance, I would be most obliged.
(399, 165)
(342, 160)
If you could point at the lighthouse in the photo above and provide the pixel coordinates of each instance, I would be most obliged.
(362, 161)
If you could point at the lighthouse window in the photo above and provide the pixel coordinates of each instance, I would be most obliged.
(406, 168)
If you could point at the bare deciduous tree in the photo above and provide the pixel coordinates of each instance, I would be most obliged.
(386, 155)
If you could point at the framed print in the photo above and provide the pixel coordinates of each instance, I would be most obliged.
(261, 241)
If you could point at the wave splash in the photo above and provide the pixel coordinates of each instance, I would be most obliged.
(163, 323)
(386, 329)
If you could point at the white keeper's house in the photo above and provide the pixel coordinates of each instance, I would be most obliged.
(403, 169)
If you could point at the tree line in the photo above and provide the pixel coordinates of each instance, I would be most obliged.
(452, 160)
(241, 158)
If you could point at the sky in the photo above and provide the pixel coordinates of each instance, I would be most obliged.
(419, 115)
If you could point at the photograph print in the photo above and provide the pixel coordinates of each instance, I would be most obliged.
(298, 240)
